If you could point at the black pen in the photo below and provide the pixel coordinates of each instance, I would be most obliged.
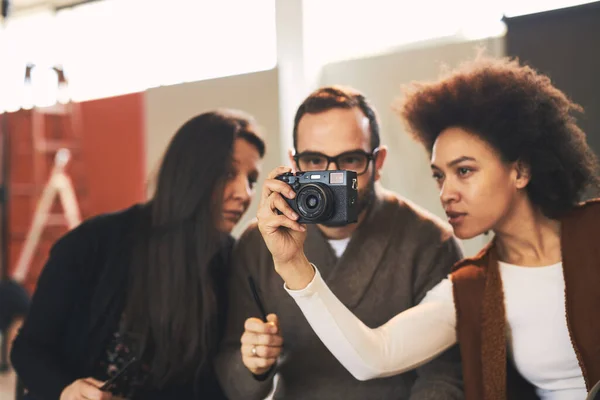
(257, 298)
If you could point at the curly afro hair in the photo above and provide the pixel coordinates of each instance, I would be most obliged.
(521, 114)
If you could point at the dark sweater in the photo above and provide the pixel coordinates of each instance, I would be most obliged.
(397, 254)
(77, 307)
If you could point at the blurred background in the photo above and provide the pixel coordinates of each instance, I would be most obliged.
(91, 91)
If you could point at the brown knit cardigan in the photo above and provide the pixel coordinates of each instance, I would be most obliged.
(481, 319)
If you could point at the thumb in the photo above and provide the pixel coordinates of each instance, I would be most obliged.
(94, 382)
(273, 320)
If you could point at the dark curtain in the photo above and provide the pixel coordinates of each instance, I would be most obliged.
(565, 44)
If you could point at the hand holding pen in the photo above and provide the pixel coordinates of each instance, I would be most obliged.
(261, 341)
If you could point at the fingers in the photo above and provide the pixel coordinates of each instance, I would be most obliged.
(273, 319)
(258, 365)
(106, 396)
(89, 390)
(259, 333)
(94, 382)
(267, 211)
(276, 202)
(86, 389)
(278, 171)
(273, 223)
(261, 344)
(275, 185)
(268, 217)
(272, 201)
(257, 339)
(261, 351)
(255, 325)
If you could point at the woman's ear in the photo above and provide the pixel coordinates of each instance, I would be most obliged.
(523, 171)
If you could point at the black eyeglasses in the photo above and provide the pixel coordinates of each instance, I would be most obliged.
(355, 160)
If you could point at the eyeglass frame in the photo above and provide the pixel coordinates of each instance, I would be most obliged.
(372, 156)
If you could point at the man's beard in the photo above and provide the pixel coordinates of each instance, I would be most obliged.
(366, 196)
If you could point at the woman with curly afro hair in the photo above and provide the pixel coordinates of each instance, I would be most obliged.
(508, 158)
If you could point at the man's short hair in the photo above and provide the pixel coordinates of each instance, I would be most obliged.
(332, 97)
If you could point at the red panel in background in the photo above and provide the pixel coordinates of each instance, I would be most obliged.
(109, 169)
(115, 152)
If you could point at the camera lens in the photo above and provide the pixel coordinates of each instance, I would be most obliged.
(315, 202)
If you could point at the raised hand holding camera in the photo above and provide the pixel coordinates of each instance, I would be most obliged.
(288, 199)
(283, 235)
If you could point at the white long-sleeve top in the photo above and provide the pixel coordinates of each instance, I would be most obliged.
(538, 337)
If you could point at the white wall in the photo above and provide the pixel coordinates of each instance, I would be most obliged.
(380, 78)
(167, 108)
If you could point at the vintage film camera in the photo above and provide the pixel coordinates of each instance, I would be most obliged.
(324, 197)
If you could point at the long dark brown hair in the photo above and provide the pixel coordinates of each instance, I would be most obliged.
(172, 304)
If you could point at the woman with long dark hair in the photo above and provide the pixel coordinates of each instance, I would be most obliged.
(137, 295)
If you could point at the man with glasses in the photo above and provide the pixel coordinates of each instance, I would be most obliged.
(378, 267)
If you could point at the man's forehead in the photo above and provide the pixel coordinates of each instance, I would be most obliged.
(333, 133)
(331, 149)
(330, 153)
(335, 116)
